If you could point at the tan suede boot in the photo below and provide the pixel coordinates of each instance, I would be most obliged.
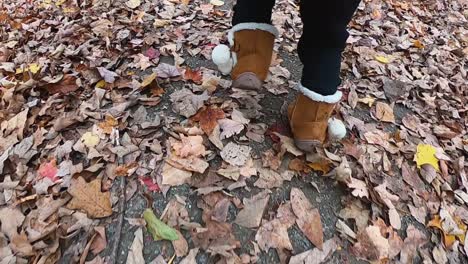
(250, 54)
(309, 118)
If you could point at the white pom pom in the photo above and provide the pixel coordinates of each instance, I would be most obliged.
(336, 129)
(221, 56)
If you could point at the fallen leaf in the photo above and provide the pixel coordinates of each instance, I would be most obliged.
(99, 243)
(172, 176)
(229, 128)
(367, 100)
(371, 245)
(360, 188)
(149, 183)
(135, 254)
(133, 3)
(323, 165)
(158, 229)
(234, 154)
(217, 2)
(89, 198)
(288, 145)
(107, 75)
(382, 59)
(186, 103)
(33, 68)
(108, 125)
(11, 219)
(426, 154)
(180, 245)
(49, 170)
(274, 233)
(414, 239)
(188, 146)
(193, 75)
(191, 257)
(90, 139)
(308, 218)
(384, 112)
(165, 70)
(65, 86)
(316, 255)
(208, 118)
(251, 215)
(355, 210)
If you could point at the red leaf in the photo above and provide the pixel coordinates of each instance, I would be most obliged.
(193, 75)
(149, 183)
(49, 170)
(152, 53)
(208, 118)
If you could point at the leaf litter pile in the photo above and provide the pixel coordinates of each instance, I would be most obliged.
(108, 134)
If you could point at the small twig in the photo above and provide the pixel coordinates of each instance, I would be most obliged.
(120, 219)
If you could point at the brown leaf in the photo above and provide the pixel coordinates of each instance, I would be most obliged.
(208, 118)
(384, 112)
(323, 165)
(371, 245)
(172, 176)
(65, 86)
(193, 75)
(236, 155)
(191, 257)
(99, 243)
(189, 146)
(315, 255)
(109, 123)
(299, 165)
(229, 127)
(308, 218)
(89, 198)
(10, 219)
(251, 215)
(180, 245)
(414, 239)
(186, 103)
(274, 233)
(135, 254)
(355, 210)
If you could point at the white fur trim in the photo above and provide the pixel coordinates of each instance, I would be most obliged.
(331, 99)
(336, 129)
(221, 56)
(251, 26)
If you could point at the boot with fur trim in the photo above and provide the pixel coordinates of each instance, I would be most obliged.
(309, 118)
(249, 57)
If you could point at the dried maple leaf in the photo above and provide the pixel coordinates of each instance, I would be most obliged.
(360, 188)
(109, 123)
(208, 118)
(274, 233)
(189, 146)
(165, 70)
(193, 75)
(229, 128)
(308, 218)
(89, 198)
(48, 170)
(426, 154)
(384, 112)
(186, 103)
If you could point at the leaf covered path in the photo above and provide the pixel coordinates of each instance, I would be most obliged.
(100, 94)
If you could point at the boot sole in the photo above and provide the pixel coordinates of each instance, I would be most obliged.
(307, 145)
(247, 80)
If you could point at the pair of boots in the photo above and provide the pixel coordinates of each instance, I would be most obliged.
(248, 61)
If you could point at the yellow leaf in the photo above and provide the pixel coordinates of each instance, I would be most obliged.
(101, 84)
(60, 2)
(90, 139)
(323, 165)
(217, 2)
(418, 44)
(148, 80)
(449, 239)
(425, 154)
(367, 100)
(382, 59)
(33, 68)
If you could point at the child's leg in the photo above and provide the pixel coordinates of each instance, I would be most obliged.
(322, 42)
(251, 40)
(258, 11)
(320, 48)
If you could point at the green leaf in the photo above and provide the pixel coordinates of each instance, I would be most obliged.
(158, 228)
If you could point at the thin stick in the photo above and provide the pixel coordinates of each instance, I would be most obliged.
(120, 219)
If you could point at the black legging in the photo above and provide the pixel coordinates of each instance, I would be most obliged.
(322, 41)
